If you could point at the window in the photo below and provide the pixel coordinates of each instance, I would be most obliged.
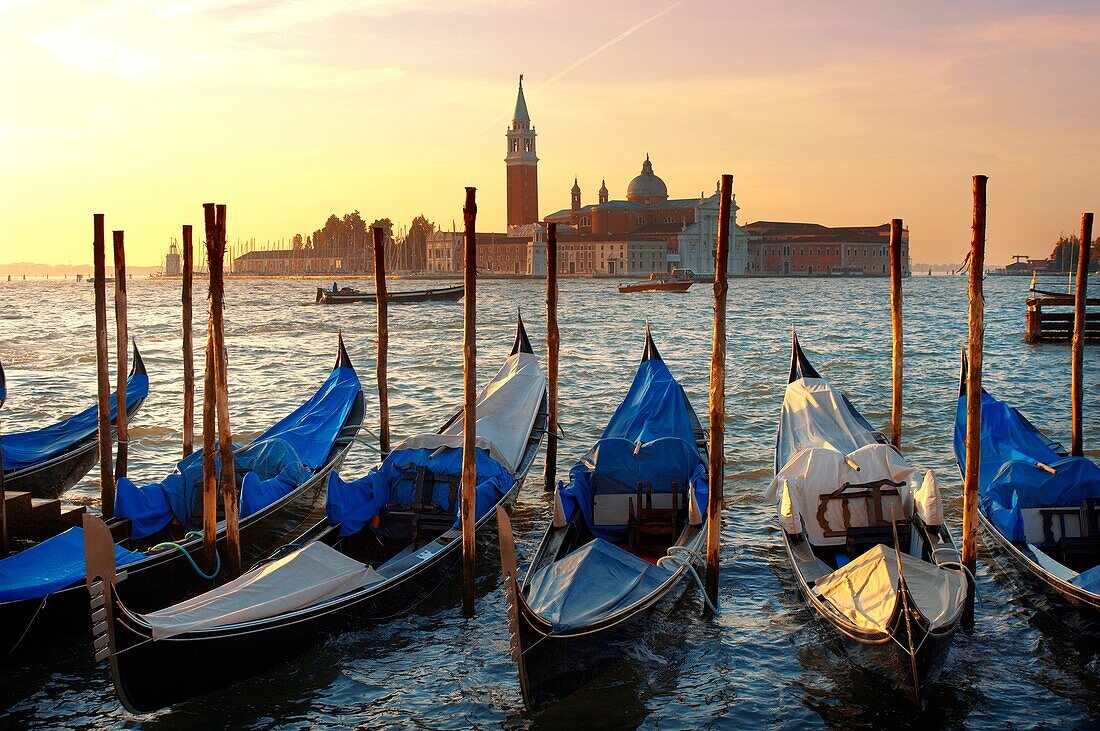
(527, 145)
(668, 219)
(640, 220)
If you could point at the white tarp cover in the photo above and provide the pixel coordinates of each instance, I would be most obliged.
(927, 501)
(865, 590)
(815, 472)
(507, 408)
(305, 577)
(815, 415)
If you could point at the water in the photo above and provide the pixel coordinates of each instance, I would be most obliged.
(763, 663)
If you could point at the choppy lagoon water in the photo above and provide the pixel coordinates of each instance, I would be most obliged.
(764, 663)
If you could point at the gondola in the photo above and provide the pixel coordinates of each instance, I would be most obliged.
(865, 535)
(390, 539)
(155, 531)
(626, 532)
(1038, 505)
(46, 462)
(348, 295)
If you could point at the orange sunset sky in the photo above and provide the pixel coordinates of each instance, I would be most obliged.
(841, 113)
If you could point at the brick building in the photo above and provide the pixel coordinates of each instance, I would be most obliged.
(809, 249)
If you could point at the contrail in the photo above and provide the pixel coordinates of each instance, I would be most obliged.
(592, 54)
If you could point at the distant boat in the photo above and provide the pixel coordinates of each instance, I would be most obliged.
(347, 295)
(106, 280)
(679, 281)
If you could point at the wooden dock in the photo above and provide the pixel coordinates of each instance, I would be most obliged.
(1050, 318)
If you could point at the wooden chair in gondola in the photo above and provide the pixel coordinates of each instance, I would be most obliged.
(423, 515)
(649, 526)
(858, 539)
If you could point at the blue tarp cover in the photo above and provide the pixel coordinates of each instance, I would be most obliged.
(1009, 481)
(354, 504)
(24, 449)
(650, 439)
(50, 566)
(595, 580)
(281, 458)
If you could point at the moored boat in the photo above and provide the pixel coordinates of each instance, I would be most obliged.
(347, 295)
(865, 534)
(626, 532)
(1037, 504)
(282, 477)
(390, 539)
(680, 280)
(48, 461)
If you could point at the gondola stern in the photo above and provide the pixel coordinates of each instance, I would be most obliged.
(138, 366)
(800, 364)
(513, 598)
(650, 351)
(522, 343)
(343, 360)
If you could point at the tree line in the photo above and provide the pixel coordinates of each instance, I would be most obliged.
(350, 237)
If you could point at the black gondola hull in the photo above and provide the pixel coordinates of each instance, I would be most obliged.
(445, 294)
(201, 663)
(554, 666)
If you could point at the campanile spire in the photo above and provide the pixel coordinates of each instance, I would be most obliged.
(522, 166)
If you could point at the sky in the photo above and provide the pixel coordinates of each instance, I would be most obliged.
(842, 113)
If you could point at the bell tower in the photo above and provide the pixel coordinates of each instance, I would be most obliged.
(522, 166)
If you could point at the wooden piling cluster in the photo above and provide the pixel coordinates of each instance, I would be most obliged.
(381, 297)
(218, 376)
(553, 343)
(717, 409)
(469, 410)
(1078, 357)
(976, 321)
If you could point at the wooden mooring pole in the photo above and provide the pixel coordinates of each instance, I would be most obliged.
(718, 392)
(1079, 314)
(381, 296)
(103, 376)
(122, 340)
(209, 426)
(188, 346)
(469, 411)
(976, 319)
(215, 254)
(895, 322)
(553, 343)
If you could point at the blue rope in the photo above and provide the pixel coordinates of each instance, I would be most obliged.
(193, 534)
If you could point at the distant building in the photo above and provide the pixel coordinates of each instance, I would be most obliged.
(522, 166)
(810, 249)
(172, 265)
(302, 261)
(626, 235)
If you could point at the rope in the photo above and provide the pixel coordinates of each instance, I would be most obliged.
(187, 555)
(29, 624)
(675, 558)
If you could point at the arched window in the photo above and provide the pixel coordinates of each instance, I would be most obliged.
(640, 220)
(527, 145)
(668, 219)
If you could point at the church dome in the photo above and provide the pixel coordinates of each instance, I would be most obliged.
(647, 187)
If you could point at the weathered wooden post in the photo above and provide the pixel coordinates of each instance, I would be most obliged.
(381, 298)
(209, 419)
(895, 321)
(1079, 315)
(122, 347)
(103, 376)
(976, 320)
(188, 346)
(553, 343)
(215, 252)
(718, 391)
(469, 410)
